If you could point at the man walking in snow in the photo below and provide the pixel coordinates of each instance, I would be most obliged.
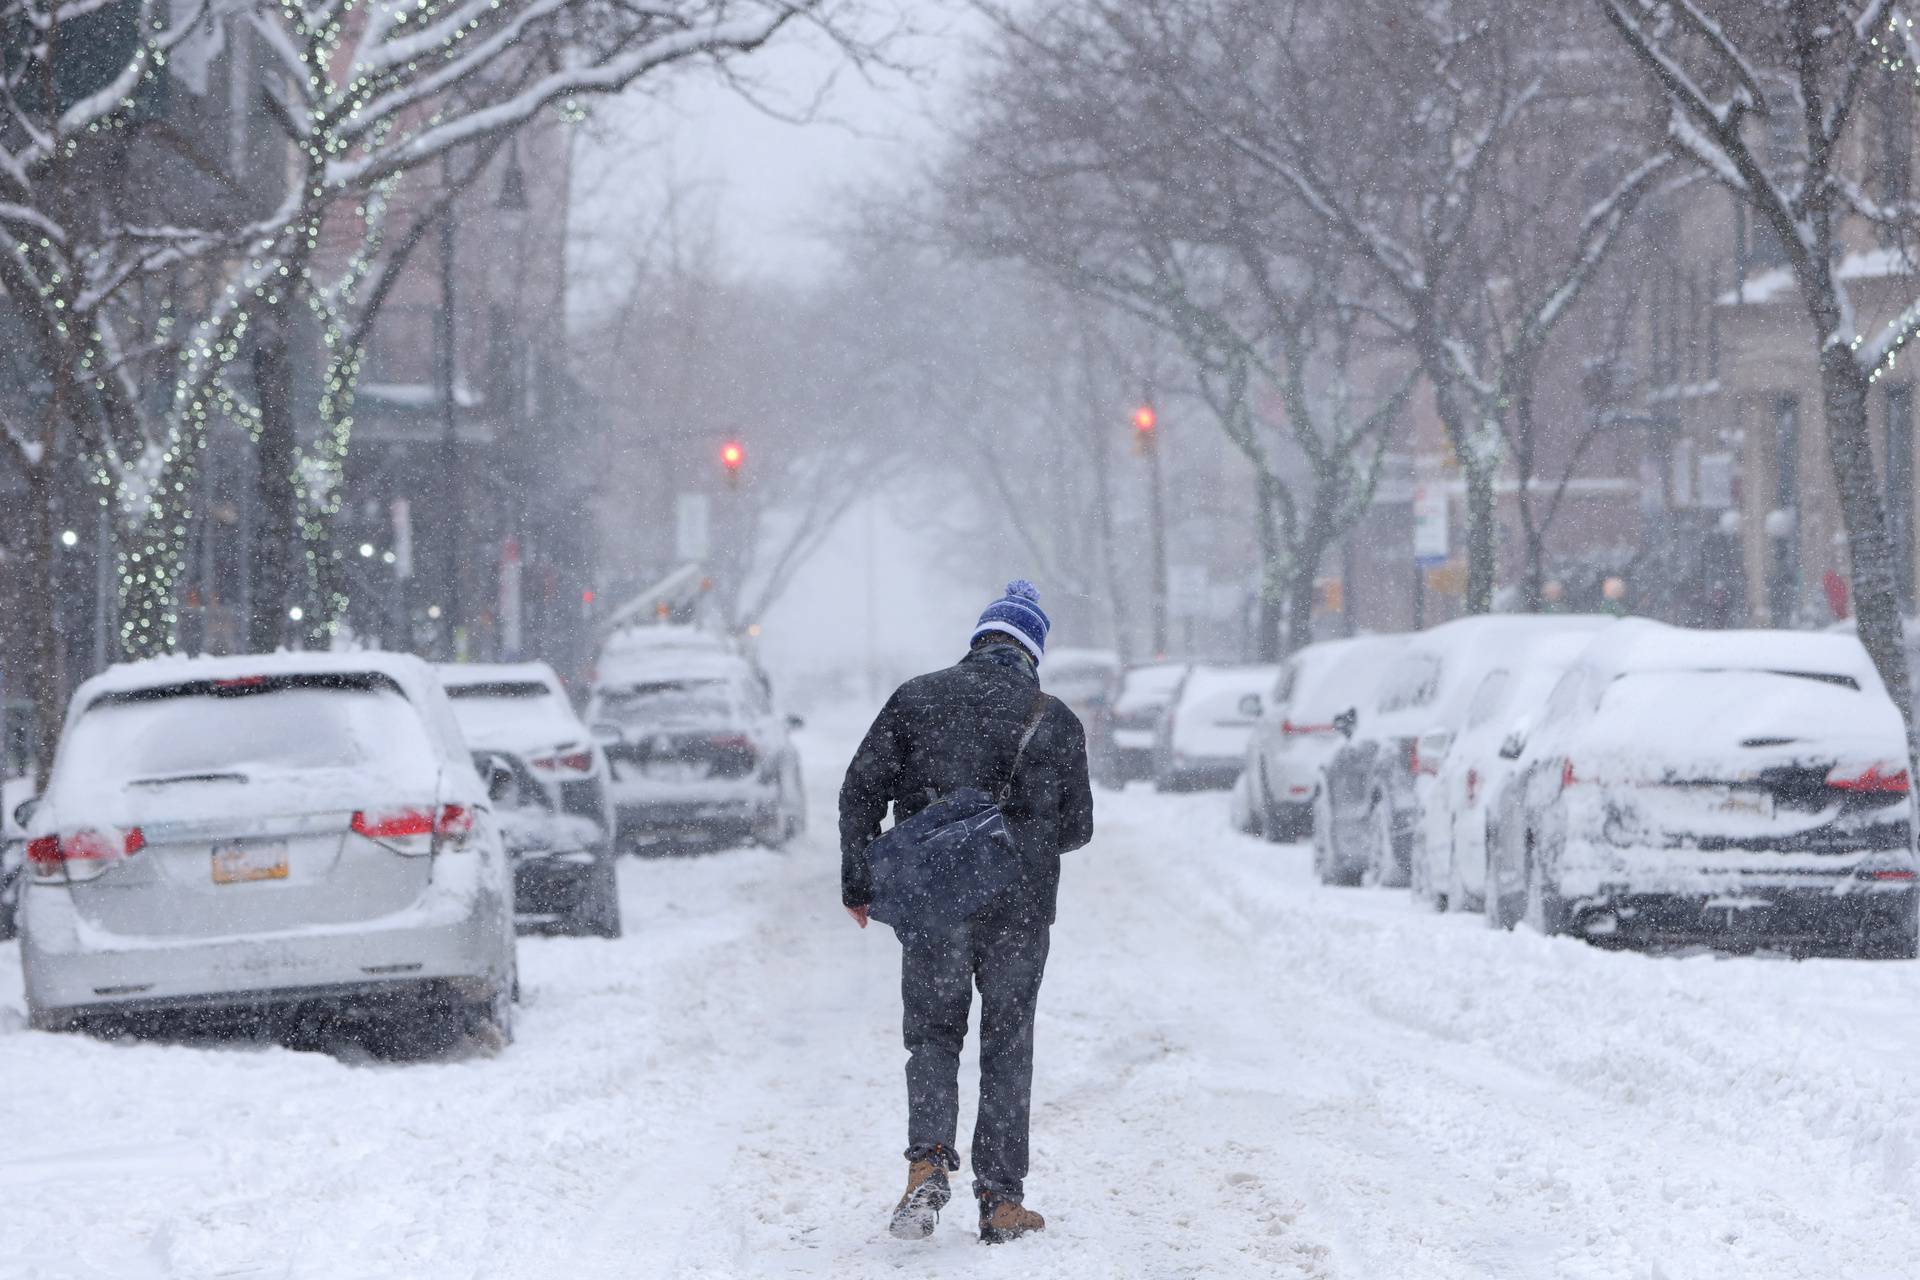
(951, 729)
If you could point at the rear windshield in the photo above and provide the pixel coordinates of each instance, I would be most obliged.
(235, 730)
(513, 713)
(1145, 687)
(656, 701)
(1713, 704)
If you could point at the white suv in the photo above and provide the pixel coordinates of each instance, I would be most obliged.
(240, 838)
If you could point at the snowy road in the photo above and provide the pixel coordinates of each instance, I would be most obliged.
(1239, 1073)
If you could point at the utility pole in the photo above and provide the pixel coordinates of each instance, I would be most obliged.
(1146, 436)
(450, 441)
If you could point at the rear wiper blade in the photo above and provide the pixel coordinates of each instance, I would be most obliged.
(168, 779)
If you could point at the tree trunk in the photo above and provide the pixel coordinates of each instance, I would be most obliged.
(1876, 595)
(1267, 644)
(1479, 538)
(276, 542)
(40, 664)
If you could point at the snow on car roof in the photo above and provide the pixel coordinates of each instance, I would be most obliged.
(681, 664)
(413, 676)
(1642, 645)
(1343, 675)
(1456, 653)
(1206, 681)
(462, 674)
(665, 636)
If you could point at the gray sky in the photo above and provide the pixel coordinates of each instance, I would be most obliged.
(773, 184)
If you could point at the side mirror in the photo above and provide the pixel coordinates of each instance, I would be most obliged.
(796, 722)
(1345, 722)
(1515, 743)
(1250, 706)
(23, 812)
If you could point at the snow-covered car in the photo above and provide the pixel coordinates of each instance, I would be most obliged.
(559, 824)
(698, 752)
(1370, 793)
(13, 852)
(1202, 739)
(1457, 813)
(1295, 736)
(1125, 751)
(1084, 679)
(248, 838)
(1742, 787)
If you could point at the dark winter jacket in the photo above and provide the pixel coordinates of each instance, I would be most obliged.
(959, 727)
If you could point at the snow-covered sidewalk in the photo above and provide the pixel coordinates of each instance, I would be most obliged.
(1239, 1073)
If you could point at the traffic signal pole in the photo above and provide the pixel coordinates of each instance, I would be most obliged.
(1146, 428)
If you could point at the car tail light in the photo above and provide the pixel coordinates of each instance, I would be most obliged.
(84, 854)
(414, 830)
(1567, 776)
(1290, 728)
(565, 762)
(1875, 778)
(1890, 875)
(731, 741)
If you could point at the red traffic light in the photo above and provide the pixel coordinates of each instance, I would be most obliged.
(732, 455)
(1144, 418)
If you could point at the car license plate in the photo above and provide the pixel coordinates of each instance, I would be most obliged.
(675, 771)
(1750, 804)
(240, 863)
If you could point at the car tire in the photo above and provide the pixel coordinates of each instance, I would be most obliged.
(599, 914)
(490, 1021)
(1546, 911)
(1899, 940)
(1383, 860)
(1327, 865)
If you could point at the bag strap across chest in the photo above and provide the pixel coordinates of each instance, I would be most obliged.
(1034, 717)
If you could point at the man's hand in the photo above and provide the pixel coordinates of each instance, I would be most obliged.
(859, 915)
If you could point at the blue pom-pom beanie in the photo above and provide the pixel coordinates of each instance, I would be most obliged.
(1017, 614)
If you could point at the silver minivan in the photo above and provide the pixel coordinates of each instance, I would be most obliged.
(245, 837)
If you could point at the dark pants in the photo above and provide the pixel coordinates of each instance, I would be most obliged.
(1006, 955)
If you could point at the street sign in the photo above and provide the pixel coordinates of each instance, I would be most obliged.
(1429, 523)
(692, 526)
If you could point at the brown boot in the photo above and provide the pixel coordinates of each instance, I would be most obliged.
(1002, 1219)
(927, 1194)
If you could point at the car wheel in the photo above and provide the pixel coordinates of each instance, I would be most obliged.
(599, 914)
(1546, 912)
(1896, 939)
(491, 1020)
(1383, 860)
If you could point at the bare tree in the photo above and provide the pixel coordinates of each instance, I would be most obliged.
(1765, 98)
(363, 95)
(1070, 168)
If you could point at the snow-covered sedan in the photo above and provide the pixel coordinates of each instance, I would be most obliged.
(1202, 738)
(244, 839)
(1291, 744)
(1371, 792)
(1458, 810)
(698, 752)
(559, 824)
(1125, 752)
(1743, 787)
